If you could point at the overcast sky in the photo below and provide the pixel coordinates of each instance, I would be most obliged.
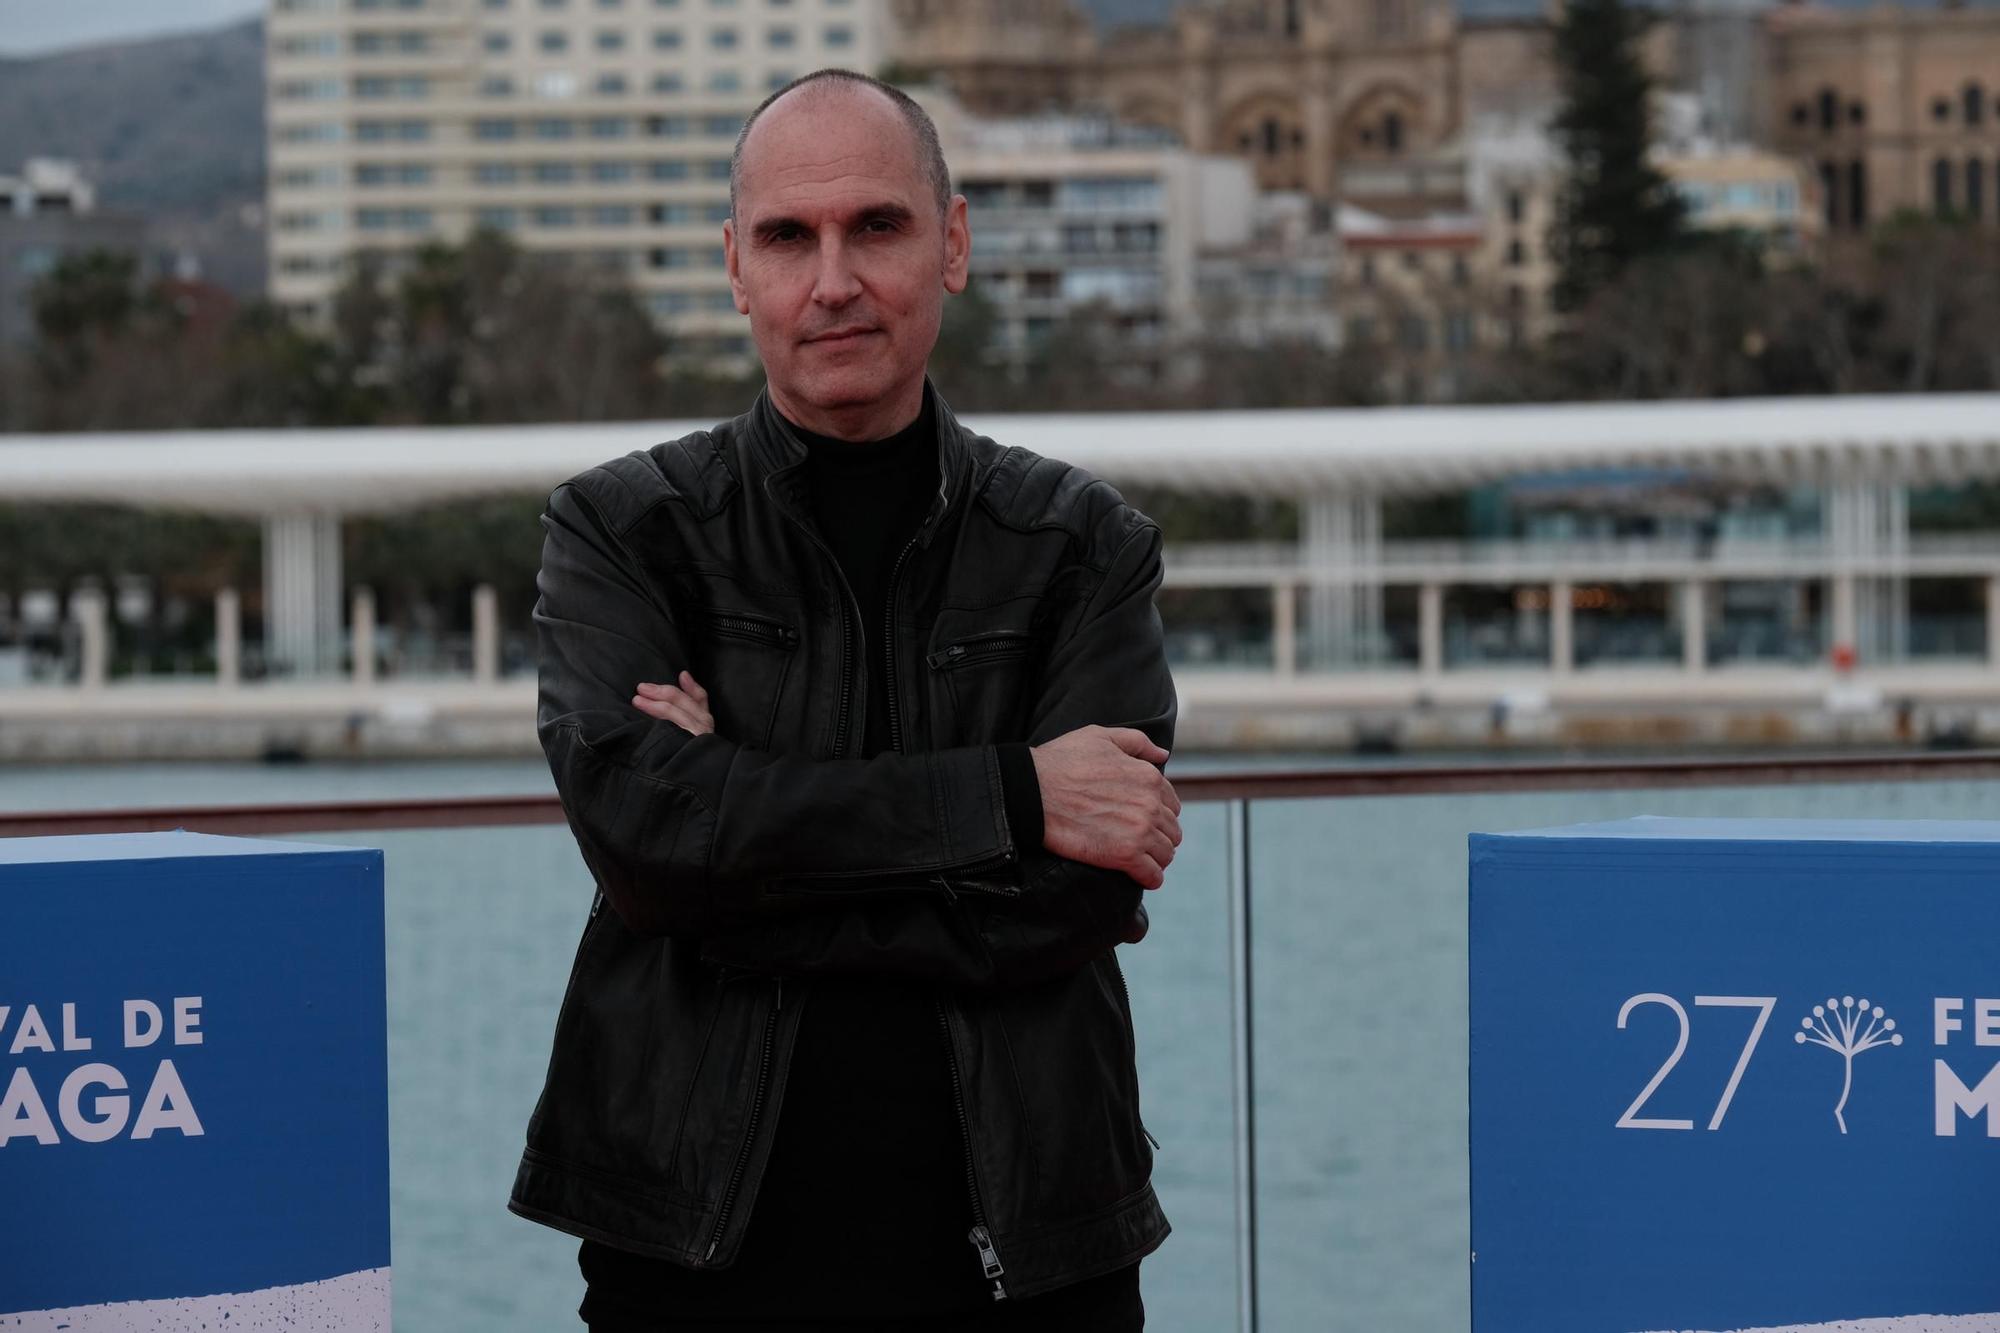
(30, 27)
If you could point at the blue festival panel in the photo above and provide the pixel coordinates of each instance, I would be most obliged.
(1736, 1074)
(193, 1082)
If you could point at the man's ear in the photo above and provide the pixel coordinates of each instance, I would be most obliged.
(957, 245)
(729, 262)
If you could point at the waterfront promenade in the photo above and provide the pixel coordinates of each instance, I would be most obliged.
(1737, 572)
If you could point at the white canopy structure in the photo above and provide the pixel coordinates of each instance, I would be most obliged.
(1339, 463)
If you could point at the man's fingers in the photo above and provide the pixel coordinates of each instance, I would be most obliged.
(677, 710)
(1169, 827)
(1136, 743)
(674, 695)
(694, 687)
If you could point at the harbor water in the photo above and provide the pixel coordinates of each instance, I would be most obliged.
(1358, 944)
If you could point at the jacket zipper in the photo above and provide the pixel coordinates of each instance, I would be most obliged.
(1000, 643)
(1125, 991)
(889, 644)
(981, 1238)
(750, 1129)
(751, 627)
(846, 627)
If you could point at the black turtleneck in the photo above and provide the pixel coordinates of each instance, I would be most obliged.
(863, 1210)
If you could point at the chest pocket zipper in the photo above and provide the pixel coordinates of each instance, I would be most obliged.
(978, 648)
(756, 629)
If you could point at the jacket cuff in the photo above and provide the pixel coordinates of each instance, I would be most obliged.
(1022, 793)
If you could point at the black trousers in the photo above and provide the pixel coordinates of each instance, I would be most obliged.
(1105, 1304)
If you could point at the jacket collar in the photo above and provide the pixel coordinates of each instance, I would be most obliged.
(776, 457)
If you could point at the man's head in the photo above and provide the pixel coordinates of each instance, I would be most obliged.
(844, 238)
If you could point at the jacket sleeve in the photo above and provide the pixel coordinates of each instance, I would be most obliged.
(1044, 915)
(689, 834)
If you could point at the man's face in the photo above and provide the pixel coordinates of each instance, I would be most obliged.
(838, 255)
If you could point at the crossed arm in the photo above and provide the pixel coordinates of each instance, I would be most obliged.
(689, 833)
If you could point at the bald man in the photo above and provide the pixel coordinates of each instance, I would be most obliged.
(859, 720)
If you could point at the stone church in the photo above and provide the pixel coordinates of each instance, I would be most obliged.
(1895, 107)
(1304, 88)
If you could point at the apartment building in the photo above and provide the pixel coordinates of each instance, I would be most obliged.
(596, 129)
(1071, 212)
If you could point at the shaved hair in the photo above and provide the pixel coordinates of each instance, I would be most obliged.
(930, 153)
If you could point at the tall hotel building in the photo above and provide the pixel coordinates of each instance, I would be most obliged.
(600, 129)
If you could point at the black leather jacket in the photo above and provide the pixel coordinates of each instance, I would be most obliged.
(741, 864)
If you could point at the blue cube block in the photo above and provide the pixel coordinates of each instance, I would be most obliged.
(193, 1084)
(1736, 1074)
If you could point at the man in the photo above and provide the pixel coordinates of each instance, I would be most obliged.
(858, 720)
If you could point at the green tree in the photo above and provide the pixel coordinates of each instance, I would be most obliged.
(1614, 207)
(85, 304)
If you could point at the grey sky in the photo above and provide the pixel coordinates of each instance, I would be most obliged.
(30, 27)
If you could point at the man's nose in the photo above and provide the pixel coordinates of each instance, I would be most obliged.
(836, 282)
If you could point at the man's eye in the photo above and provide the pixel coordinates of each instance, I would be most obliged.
(878, 226)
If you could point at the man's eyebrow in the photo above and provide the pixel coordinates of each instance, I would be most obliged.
(766, 228)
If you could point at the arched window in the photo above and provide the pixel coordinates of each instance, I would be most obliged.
(1857, 194)
(1975, 187)
(1829, 109)
(1829, 194)
(1270, 137)
(1975, 104)
(1291, 18)
(1941, 187)
(1392, 132)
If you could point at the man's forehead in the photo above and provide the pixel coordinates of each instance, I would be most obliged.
(827, 139)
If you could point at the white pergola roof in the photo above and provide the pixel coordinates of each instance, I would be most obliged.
(1917, 439)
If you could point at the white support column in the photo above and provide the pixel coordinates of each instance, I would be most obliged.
(1694, 626)
(1562, 649)
(87, 609)
(1342, 532)
(302, 592)
(1844, 612)
(1895, 612)
(1284, 628)
(1368, 622)
(1868, 518)
(228, 638)
(485, 634)
(1430, 629)
(361, 631)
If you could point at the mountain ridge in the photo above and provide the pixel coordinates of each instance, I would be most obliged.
(181, 142)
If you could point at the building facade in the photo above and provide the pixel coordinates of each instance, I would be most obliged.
(600, 130)
(1298, 87)
(1895, 109)
(49, 210)
(1075, 213)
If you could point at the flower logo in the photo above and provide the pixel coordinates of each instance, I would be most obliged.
(1847, 1029)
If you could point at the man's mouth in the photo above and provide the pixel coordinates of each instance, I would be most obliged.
(837, 337)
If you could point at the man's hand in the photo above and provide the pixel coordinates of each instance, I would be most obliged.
(686, 706)
(1105, 803)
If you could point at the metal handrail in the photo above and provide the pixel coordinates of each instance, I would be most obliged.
(1419, 779)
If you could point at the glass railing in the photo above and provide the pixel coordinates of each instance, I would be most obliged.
(1300, 1004)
